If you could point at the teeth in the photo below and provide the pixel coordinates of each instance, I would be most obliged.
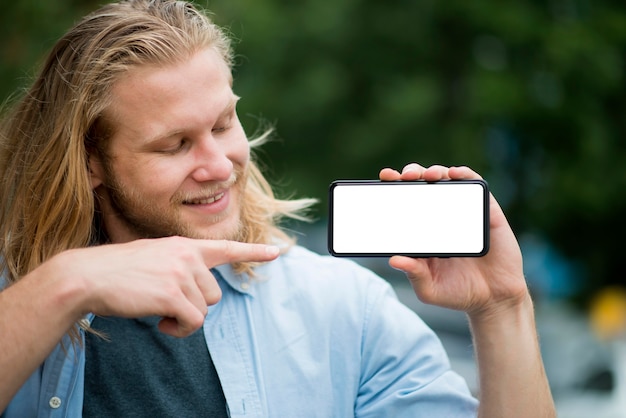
(206, 201)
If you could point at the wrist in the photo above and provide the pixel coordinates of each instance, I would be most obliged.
(503, 314)
(70, 290)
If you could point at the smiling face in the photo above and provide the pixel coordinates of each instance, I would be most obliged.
(177, 159)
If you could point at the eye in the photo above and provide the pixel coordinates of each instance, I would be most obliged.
(225, 122)
(176, 147)
(222, 125)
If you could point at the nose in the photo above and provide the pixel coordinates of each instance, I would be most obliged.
(211, 161)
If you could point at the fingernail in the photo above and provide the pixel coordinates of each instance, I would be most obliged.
(272, 250)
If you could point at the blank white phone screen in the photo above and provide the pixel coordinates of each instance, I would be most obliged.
(408, 218)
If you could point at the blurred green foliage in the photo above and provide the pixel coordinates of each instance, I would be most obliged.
(529, 93)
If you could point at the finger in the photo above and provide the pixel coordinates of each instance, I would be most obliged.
(408, 265)
(436, 172)
(412, 171)
(463, 172)
(389, 174)
(209, 288)
(201, 290)
(223, 252)
(418, 273)
(171, 326)
(182, 323)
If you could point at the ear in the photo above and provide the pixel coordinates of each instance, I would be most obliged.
(96, 171)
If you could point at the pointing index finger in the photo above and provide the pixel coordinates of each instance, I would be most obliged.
(216, 252)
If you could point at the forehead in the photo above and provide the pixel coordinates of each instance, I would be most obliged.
(150, 98)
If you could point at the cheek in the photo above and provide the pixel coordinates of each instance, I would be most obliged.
(150, 177)
(244, 154)
(239, 152)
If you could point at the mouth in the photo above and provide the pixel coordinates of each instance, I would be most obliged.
(204, 200)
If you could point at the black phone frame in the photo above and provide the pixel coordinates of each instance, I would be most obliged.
(486, 225)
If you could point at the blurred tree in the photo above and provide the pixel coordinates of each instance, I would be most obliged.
(529, 93)
(28, 28)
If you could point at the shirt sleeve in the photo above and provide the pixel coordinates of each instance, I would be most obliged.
(405, 370)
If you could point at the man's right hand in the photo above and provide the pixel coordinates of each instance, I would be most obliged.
(167, 277)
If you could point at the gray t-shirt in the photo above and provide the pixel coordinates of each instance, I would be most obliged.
(141, 372)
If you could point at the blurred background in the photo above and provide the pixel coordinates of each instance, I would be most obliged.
(531, 94)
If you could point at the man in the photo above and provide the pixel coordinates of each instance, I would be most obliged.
(133, 214)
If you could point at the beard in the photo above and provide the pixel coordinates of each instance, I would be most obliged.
(143, 219)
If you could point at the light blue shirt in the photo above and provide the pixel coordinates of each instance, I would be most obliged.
(310, 336)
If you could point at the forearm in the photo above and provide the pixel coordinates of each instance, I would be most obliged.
(513, 382)
(36, 312)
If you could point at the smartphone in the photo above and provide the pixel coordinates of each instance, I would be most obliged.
(371, 218)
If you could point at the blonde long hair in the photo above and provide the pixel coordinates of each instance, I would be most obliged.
(48, 205)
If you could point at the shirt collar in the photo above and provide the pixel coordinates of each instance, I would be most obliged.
(239, 282)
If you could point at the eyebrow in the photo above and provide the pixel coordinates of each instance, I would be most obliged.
(229, 109)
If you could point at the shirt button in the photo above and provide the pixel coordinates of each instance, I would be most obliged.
(55, 402)
(245, 286)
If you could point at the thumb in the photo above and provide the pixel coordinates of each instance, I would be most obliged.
(418, 272)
